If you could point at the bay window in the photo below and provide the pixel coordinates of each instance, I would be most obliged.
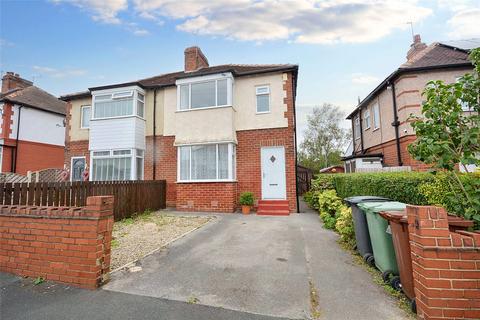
(208, 162)
(204, 92)
(118, 104)
(117, 165)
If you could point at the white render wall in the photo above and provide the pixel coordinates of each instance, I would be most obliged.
(117, 133)
(38, 126)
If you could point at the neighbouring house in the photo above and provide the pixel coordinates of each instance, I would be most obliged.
(380, 124)
(32, 127)
(212, 132)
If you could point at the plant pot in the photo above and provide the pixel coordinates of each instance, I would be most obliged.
(246, 209)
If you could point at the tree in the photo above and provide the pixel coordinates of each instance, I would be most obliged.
(447, 136)
(324, 138)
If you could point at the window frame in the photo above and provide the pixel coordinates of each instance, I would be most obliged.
(203, 79)
(231, 163)
(356, 124)
(117, 94)
(71, 164)
(376, 120)
(367, 119)
(81, 116)
(132, 154)
(263, 94)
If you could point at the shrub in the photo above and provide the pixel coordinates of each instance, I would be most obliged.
(329, 204)
(246, 199)
(323, 182)
(344, 226)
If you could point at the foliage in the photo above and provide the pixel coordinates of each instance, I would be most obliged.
(246, 199)
(38, 280)
(329, 204)
(344, 226)
(448, 136)
(323, 182)
(324, 138)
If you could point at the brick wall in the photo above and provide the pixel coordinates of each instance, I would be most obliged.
(70, 245)
(76, 149)
(446, 266)
(207, 196)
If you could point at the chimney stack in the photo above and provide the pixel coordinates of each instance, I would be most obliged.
(12, 81)
(416, 47)
(194, 59)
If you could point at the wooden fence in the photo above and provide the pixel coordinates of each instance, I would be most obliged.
(130, 196)
(304, 179)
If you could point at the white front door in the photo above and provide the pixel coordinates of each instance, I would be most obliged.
(273, 173)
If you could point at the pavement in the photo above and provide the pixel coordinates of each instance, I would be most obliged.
(235, 267)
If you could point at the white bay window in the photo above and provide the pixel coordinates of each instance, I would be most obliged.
(119, 103)
(208, 162)
(117, 165)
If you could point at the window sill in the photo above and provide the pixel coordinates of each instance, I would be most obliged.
(367, 129)
(205, 108)
(376, 129)
(207, 181)
(264, 112)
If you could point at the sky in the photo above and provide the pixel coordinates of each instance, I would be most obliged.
(344, 48)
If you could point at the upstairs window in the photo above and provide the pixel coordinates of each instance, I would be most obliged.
(263, 99)
(118, 104)
(85, 117)
(367, 119)
(356, 125)
(204, 94)
(140, 105)
(376, 116)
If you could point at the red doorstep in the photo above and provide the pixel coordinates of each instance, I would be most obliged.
(273, 208)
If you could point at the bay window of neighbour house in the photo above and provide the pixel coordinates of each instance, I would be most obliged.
(118, 104)
(367, 119)
(209, 162)
(376, 116)
(204, 94)
(117, 165)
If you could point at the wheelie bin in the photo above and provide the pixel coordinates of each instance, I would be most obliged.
(381, 237)
(401, 243)
(362, 236)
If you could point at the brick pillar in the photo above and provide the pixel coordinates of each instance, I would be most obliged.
(446, 266)
(65, 244)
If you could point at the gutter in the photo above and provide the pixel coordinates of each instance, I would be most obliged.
(396, 124)
(154, 133)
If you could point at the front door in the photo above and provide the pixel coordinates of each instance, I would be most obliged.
(77, 168)
(273, 173)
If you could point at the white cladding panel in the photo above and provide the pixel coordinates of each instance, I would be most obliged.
(38, 126)
(119, 133)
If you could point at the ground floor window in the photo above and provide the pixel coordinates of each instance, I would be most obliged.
(207, 162)
(117, 165)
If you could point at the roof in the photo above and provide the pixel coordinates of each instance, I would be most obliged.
(360, 155)
(467, 44)
(35, 97)
(327, 169)
(169, 79)
(435, 56)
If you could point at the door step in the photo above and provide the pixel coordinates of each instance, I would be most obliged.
(273, 208)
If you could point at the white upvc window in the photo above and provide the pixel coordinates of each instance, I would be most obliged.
(366, 116)
(85, 116)
(204, 92)
(119, 102)
(263, 99)
(206, 162)
(376, 116)
(117, 165)
(356, 125)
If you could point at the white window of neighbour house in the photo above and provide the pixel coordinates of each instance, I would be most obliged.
(118, 104)
(204, 92)
(376, 116)
(356, 125)
(367, 119)
(85, 117)
(209, 162)
(263, 99)
(117, 165)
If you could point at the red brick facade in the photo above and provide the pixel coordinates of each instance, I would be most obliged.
(446, 266)
(207, 196)
(70, 245)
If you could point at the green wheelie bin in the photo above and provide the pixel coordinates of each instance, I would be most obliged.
(381, 237)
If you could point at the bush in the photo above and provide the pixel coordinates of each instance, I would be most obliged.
(344, 226)
(323, 182)
(246, 199)
(329, 204)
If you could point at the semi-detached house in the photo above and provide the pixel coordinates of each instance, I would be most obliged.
(212, 132)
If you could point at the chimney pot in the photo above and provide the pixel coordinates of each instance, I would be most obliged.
(416, 47)
(13, 80)
(194, 59)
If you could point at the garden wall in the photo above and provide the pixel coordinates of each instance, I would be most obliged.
(65, 244)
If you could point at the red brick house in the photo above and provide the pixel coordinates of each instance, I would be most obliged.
(380, 125)
(32, 127)
(211, 132)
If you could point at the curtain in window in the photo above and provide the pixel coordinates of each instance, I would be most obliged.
(223, 161)
(109, 169)
(204, 162)
(114, 108)
(184, 163)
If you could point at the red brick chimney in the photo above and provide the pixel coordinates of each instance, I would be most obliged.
(416, 47)
(13, 81)
(194, 59)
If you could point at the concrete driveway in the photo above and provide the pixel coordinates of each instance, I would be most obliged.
(261, 265)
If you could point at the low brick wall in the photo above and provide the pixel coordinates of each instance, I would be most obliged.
(446, 266)
(207, 196)
(65, 244)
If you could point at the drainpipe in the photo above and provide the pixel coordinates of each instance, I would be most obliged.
(396, 124)
(14, 158)
(154, 133)
(294, 93)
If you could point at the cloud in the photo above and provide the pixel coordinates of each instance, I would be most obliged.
(59, 73)
(364, 79)
(101, 10)
(136, 30)
(465, 24)
(6, 43)
(303, 21)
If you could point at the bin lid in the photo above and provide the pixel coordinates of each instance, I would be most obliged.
(395, 216)
(358, 199)
(382, 206)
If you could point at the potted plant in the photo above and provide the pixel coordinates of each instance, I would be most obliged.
(246, 201)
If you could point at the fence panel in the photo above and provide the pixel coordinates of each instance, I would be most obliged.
(130, 196)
